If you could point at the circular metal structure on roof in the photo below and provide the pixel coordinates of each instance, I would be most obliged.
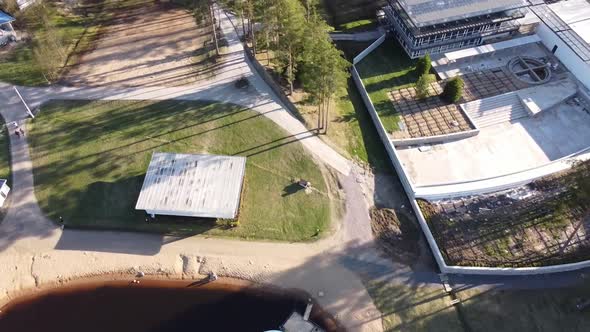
(530, 70)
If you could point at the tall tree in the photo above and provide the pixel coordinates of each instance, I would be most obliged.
(325, 71)
(203, 11)
(291, 28)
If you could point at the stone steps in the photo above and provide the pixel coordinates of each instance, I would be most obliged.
(494, 110)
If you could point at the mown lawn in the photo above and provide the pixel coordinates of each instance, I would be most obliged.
(90, 158)
(76, 32)
(428, 308)
(358, 26)
(385, 69)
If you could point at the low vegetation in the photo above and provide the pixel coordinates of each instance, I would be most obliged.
(90, 159)
(423, 85)
(453, 90)
(548, 225)
(385, 69)
(423, 66)
(55, 34)
(429, 308)
(358, 26)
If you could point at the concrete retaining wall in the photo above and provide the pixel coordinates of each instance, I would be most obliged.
(271, 82)
(435, 139)
(368, 50)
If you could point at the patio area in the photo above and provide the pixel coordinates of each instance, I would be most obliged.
(501, 149)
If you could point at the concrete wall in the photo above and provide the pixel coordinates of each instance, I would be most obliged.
(565, 54)
(369, 49)
(435, 139)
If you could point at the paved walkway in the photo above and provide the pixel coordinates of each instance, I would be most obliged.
(358, 36)
(34, 252)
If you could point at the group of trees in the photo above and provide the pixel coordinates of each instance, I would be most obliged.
(299, 41)
(453, 90)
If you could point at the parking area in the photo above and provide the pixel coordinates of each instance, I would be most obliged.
(144, 44)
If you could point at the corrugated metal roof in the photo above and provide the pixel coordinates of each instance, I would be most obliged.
(5, 18)
(192, 185)
(428, 12)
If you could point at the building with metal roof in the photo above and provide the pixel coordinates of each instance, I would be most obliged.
(438, 26)
(192, 185)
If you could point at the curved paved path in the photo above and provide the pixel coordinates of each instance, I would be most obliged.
(33, 251)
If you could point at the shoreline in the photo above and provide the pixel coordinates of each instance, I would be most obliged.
(167, 282)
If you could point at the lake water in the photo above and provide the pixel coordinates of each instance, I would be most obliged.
(155, 306)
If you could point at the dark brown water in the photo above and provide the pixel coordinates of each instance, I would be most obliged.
(155, 306)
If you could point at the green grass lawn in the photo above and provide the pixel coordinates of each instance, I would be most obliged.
(90, 158)
(363, 142)
(428, 308)
(78, 34)
(385, 69)
(358, 26)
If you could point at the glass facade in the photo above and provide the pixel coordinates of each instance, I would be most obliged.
(451, 36)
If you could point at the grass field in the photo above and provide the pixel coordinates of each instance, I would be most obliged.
(76, 32)
(358, 26)
(385, 69)
(351, 130)
(428, 308)
(90, 159)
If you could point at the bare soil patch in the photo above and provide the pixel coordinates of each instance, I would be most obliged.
(397, 235)
(543, 223)
(145, 44)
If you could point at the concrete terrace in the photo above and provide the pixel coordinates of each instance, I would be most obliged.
(502, 148)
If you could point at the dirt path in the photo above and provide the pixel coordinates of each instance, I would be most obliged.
(145, 44)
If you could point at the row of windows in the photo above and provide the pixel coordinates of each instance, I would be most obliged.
(438, 49)
(456, 34)
(400, 27)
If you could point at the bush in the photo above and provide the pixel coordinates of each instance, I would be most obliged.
(423, 65)
(453, 90)
(422, 85)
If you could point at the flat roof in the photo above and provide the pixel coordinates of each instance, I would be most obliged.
(5, 18)
(576, 14)
(192, 185)
(429, 12)
(489, 48)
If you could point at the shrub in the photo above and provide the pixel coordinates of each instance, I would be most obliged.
(422, 85)
(453, 91)
(423, 65)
